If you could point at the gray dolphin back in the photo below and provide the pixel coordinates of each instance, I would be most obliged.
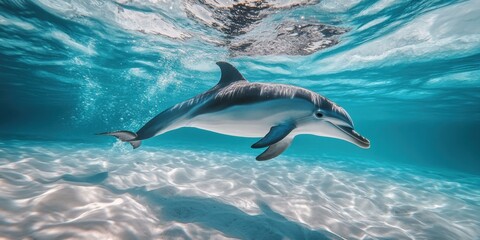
(181, 111)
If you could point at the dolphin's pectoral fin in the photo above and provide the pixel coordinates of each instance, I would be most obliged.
(275, 149)
(275, 134)
(125, 136)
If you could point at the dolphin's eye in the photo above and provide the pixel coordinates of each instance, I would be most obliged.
(318, 114)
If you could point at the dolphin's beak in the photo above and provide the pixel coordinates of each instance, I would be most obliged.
(342, 125)
(353, 136)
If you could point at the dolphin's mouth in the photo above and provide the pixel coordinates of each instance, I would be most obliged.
(359, 139)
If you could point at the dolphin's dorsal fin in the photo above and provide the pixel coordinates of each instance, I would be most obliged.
(229, 74)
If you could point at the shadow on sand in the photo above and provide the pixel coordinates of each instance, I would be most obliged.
(214, 214)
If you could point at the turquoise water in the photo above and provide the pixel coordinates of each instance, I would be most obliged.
(407, 72)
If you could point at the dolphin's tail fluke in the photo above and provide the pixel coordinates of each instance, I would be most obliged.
(125, 136)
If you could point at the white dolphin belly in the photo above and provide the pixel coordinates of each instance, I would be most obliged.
(252, 120)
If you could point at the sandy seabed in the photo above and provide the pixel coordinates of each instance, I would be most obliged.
(64, 190)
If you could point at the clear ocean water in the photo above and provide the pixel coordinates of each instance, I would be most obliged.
(408, 73)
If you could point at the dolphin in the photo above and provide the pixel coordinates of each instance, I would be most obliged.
(276, 113)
